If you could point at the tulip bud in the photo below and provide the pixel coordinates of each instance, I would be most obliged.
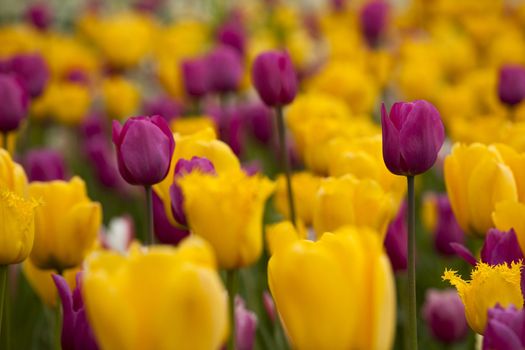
(196, 77)
(13, 103)
(228, 77)
(413, 134)
(511, 84)
(260, 119)
(32, 71)
(93, 125)
(501, 247)
(245, 325)
(165, 232)
(102, 159)
(274, 78)
(269, 305)
(505, 329)
(44, 165)
(444, 315)
(163, 106)
(232, 34)
(144, 149)
(39, 15)
(396, 240)
(76, 331)
(373, 20)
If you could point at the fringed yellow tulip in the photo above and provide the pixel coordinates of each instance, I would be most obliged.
(336, 293)
(227, 210)
(306, 185)
(488, 286)
(348, 201)
(66, 224)
(156, 298)
(468, 169)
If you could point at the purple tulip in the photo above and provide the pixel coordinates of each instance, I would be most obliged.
(269, 306)
(232, 34)
(144, 149)
(93, 125)
(444, 315)
(464, 253)
(163, 106)
(76, 331)
(373, 20)
(44, 165)
(32, 71)
(13, 103)
(260, 119)
(413, 134)
(505, 329)
(102, 159)
(196, 77)
(165, 232)
(226, 70)
(77, 75)
(447, 229)
(396, 240)
(39, 15)
(274, 78)
(501, 247)
(511, 84)
(245, 325)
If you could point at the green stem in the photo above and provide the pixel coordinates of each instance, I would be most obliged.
(285, 163)
(412, 313)
(3, 295)
(150, 238)
(231, 284)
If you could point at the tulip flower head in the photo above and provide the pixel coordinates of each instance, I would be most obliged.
(39, 15)
(232, 34)
(373, 20)
(228, 77)
(396, 240)
(13, 103)
(274, 78)
(246, 325)
(511, 84)
(45, 165)
(444, 314)
(505, 329)
(144, 149)
(196, 77)
(32, 72)
(413, 134)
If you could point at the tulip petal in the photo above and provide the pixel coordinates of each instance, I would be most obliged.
(68, 320)
(502, 337)
(463, 253)
(391, 154)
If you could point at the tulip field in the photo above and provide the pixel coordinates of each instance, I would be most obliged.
(262, 174)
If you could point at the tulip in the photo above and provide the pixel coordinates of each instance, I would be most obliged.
(12, 175)
(232, 34)
(505, 329)
(179, 278)
(283, 233)
(269, 305)
(260, 120)
(32, 72)
(102, 158)
(144, 149)
(76, 332)
(246, 325)
(13, 103)
(305, 198)
(511, 84)
(119, 234)
(45, 165)
(163, 106)
(396, 240)
(467, 170)
(121, 97)
(239, 215)
(93, 125)
(196, 77)
(489, 285)
(165, 232)
(373, 20)
(66, 216)
(228, 77)
(444, 315)
(501, 247)
(274, 78)
(340, 306)
(413, 134)
(39, 15)
(508, 215)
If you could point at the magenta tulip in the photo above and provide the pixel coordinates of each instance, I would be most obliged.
(444, 315)
(13, 103)
(32, 72)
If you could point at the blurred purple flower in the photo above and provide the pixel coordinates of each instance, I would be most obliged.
(260, 119)
(32, 72)
(444, 315)
(447, 229)
(196, 77)
(505, 329)
(163, 106)
(229, 76)
(165, 232)
(232, 34)
(245, 325)
(44, 165)
(39, 15)
(13, 103)
(274, 78)
(511, 84)
(373, 20)
(102, 158)
(396, 240)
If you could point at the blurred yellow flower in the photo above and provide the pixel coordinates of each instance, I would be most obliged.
(190, 125)
(17, 39)
(121, 97)
(488, 286)
(12, 175)
(177, 296)
(336, 293)
(67, 224)
(305, 185)
(283, 233)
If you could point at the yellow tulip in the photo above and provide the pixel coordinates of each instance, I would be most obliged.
(516, 163)
(348, 201)
(12, 175)
(17, 227)
(227, 210)
(66, 224)
(336, 293)
(121, 97)
(191, 125)
(488, 286)
(283, 233)
(477, 179)
(42, 283)
(306, 185)
(156, 298)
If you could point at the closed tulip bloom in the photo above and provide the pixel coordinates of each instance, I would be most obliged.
(45, 165)
(488, 286)
(144, 149)
(165, 232)
(102, 158)
(180, 277)
(511, 84)
(32, 71)
(444, 315)
(196, 77)
(76, 331)
(13, 103)
(469, 169)
(246, 325)
(66, 216)
(347, 298)
(39, 15)
(12, 175)
(396, 240)
(501, 247)
(228, 77)
(163, 106)
(260, 120)
(505, 329)
(413, 134)
(232, 34)
(234, 202)
(17, 227)
(274, 78)
(373, 20)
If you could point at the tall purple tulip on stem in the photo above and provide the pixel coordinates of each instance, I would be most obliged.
(413, 134)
